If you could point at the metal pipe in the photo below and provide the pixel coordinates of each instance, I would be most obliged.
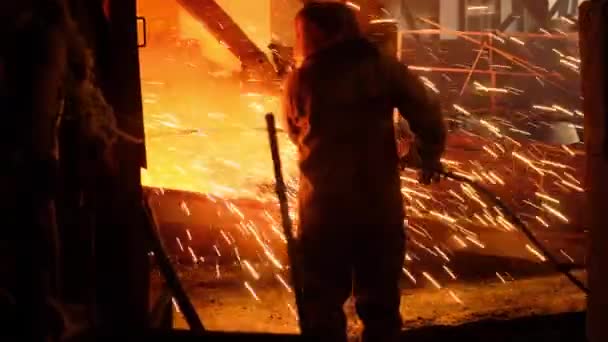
(564, 269)
(281, 191)
(169, 273)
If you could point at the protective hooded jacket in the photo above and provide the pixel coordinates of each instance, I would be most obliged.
(339, 112)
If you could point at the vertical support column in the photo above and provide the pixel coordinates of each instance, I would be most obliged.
(563, 8)
(122, 260)
(506, 9)
(400, 46)
(594, 51)
(507, 15)
(518, 11)
(573, 11)
(450, 16)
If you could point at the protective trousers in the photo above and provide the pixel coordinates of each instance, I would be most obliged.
(364, 260)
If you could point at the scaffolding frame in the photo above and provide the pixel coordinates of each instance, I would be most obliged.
(485, 41)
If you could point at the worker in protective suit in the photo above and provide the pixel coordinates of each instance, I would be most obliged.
(339, 108)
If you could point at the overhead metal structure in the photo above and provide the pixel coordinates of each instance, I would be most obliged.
(255, 63)
(541, 11)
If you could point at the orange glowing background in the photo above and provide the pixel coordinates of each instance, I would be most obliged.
(204, 132)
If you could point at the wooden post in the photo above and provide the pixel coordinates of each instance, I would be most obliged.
(594, 47)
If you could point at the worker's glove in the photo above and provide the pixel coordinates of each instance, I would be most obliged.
(428, 171)
(411, 159)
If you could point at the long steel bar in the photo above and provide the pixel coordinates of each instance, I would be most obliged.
(169, 273)
(281, 190)
(489, 34)
(467, 70)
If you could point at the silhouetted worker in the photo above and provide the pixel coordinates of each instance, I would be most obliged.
(339, 112)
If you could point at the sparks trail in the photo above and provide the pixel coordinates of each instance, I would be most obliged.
(545, 254)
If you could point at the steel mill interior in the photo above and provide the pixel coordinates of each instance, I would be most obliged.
(509, 88)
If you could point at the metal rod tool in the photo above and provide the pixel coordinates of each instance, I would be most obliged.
(281, 191)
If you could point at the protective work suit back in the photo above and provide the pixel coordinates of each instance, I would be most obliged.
(339, 111)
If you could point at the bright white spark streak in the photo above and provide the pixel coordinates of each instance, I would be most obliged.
(566, 255)
(567, 149)
(251, 270)
(518, 41)
(501, 278)
(175, 305)
(409, 275)
(449, 271)
(431, 279)
(554, 164)
(273, 259)
(490, 152)
(383, 21)
(535, 252)
(475, 242)
(250, 289)
(543, 222)
(225, 237)
(179, 243)
(555, 212)
(572, 186)
(443, 255)
(547, 197)
(563, 110)
(185, 208)
(462, 110)
(545, 108)
(194, 258)
(460, 241)
(283, 282)
(453, 193)
(455, 297)
(528, 162)
(353, 5)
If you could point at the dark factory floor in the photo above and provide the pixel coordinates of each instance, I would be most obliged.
(536, 308)
(556, 328)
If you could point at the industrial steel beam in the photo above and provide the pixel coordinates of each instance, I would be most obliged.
(227, 31)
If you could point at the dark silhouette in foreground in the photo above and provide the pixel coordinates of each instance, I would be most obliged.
(339, 108)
